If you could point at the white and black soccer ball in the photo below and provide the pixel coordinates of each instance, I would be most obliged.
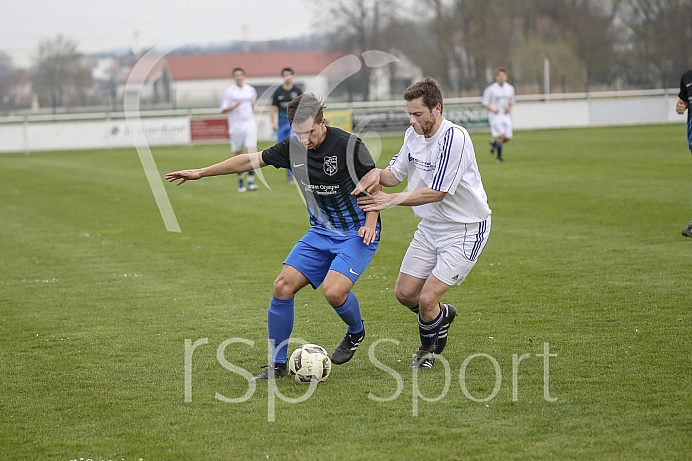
(310, 362)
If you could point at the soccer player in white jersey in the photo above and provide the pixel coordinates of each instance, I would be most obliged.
(446, 192)
(239, 102)
(499, 98)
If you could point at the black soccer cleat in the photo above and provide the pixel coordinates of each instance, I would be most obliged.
(273, 371)
(687, 232)
(347, 347)
(423, 359)
(450, 314)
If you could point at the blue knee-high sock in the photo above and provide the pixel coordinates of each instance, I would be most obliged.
(499, 150)
(280, 323)
(429, 330)
(349, 312)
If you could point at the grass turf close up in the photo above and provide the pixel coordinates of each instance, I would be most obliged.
(572, 340)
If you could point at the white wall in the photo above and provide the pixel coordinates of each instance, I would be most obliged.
(63, 132)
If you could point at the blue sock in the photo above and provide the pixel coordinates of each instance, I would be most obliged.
(350, 313)
(280, 325)
(499, 150)
(429, 330)
(241, 183)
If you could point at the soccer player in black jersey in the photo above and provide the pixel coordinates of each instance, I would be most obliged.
(327, 163)
(685, 104)
(281, 98)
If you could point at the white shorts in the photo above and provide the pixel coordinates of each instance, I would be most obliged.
(447, 250)
(500, 125)
(243, 136)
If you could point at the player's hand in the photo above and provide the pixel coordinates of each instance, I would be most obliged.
(183, 175)
(368, 182)
(680, 106)
(368, 234)
(377, 201)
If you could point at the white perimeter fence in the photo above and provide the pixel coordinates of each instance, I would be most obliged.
(103, 130)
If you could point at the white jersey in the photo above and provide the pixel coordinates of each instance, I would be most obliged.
(445, 162)
(243, 114)
(499, 97)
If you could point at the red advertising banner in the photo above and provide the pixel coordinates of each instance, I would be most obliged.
(208, 129)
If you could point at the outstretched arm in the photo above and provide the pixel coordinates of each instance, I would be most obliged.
(237, 164)
(378, 201)
(373, 179)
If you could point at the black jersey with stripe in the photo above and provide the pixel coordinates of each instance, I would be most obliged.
(327, 175)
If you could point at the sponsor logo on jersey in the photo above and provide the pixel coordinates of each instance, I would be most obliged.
(330, 166)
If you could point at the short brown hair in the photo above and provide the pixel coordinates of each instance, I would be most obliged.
(238, 69)
(304, 107)
(429, 89)
(500, 69)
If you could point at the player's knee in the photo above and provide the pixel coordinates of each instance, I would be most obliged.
(282, 289)
(335, 296)
(406, 297)
(428, 304)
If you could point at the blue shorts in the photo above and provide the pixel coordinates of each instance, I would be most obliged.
(284, 130)
(316, 254)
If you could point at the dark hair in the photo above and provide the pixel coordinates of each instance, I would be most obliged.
(304, 107)
(287, 69)
(236, 69)
(500, 69)
(429, 89)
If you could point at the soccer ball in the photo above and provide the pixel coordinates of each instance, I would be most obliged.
(310, 362)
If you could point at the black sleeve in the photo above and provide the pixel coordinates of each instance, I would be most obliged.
(277, 155)
(364, 161)
(275, 102)
(684, 88)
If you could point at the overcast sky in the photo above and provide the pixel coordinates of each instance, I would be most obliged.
(105, 25)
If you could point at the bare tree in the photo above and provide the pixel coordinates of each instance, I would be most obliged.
(360, 26)
(588, 26)
(60, 76)
(662, 40)
(6, 76)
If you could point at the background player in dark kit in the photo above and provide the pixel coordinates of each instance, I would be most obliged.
(684, 103)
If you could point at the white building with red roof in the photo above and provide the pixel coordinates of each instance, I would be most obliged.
(200, 80)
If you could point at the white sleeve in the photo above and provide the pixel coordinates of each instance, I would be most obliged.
(485, 100)
(226, 100)
(453, 158)
(398, 164)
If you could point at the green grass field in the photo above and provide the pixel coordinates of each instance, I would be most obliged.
(585, 258)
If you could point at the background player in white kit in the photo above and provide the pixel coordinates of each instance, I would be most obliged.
(499, 98)
(239, 103)
(446, 191)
